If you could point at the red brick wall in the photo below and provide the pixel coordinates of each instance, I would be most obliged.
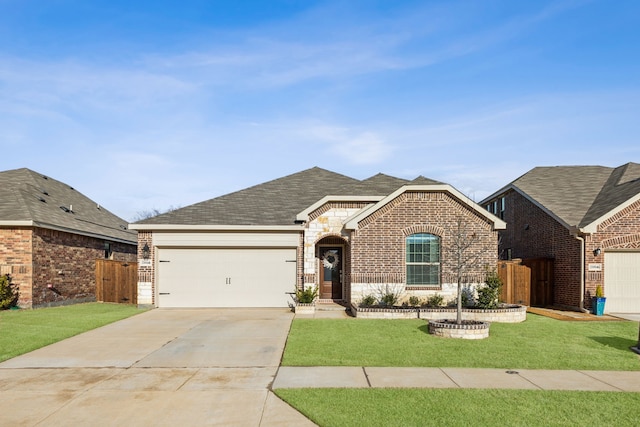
(621, 231)
(378, 246)
(532, 233)
(16, 259)
(40, 257)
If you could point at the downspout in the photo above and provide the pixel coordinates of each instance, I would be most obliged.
(582, 273)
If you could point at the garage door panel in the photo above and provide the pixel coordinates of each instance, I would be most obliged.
(225, 277)
(622, 282)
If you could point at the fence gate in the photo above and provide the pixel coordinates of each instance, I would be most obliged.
(542, 281)
(116, 281)
(516, 282)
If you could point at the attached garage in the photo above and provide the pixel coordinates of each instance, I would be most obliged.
(622, 282)
(223, 277)
(206, 266)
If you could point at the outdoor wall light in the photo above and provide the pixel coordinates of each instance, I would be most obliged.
(146, 252)
(597, 251)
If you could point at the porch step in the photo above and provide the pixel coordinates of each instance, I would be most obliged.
(330, 305)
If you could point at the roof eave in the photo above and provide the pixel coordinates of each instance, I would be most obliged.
(67, 230)
(20, 223)
(304, 215)
(209, 227)
(593, 226)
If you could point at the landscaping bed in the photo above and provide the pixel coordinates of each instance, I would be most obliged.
(503, 314)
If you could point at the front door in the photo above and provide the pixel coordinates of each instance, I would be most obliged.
(331, 273)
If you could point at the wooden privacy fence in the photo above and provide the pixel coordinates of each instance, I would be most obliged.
(116, 281)
(516, 282)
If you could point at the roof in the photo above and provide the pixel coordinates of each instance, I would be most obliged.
(579, 196)
(28, 198)
(279, 202)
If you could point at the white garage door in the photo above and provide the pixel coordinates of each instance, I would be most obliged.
(622, 282)
(225, 277)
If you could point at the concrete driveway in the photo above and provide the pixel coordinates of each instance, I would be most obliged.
(163, 367)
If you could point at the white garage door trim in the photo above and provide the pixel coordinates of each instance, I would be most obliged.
(622, 281)
(225, 277)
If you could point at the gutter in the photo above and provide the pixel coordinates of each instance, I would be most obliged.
(582, 273)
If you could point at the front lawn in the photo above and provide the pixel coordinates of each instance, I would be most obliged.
(22, 331)
(463, 407)
(537, 343)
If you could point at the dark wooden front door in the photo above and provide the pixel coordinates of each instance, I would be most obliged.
(331, 273)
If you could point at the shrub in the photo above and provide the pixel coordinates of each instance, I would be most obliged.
(368, 300)
(8, 292)
(306, 295)
(414, 301)
(489, 293)
(436, 300)
(388, 295)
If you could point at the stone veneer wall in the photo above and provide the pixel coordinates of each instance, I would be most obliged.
(327, 221)
(146, 273)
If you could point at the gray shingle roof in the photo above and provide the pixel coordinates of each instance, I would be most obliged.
(26, 195)
(277, 202)
(579, 195)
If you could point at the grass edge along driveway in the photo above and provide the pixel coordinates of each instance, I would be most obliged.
(22, 331)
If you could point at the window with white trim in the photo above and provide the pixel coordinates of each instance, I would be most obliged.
(423, 259)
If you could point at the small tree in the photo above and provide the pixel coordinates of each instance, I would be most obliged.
(8, 292)
(461, 257)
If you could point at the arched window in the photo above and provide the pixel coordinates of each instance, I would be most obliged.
(423, 260)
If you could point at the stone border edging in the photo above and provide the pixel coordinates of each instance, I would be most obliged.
(511, 314)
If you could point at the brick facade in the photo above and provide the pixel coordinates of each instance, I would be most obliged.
(54, 267)
(375, 252)
(533, 233)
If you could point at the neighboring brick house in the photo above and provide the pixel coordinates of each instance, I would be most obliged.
(51, 236)
(312, 228)
(586, 220)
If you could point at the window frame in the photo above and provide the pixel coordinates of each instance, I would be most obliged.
(437, 263)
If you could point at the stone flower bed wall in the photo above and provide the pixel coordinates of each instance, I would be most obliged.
(472, 330)
(508, 314)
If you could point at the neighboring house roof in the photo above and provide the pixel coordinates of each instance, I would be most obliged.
(28, 198)
(283, 201)
(579, 196)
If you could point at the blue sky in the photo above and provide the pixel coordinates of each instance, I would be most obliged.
(152, 104)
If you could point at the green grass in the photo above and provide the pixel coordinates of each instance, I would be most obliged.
(22, 331)
(463, 407)
(537, 343)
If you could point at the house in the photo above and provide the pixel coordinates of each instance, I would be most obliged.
(585, 222)
(51, 236)
(349, 237)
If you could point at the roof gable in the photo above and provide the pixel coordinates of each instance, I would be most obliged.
(579, 196)
(32, 199)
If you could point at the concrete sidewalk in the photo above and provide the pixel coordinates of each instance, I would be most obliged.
(376, 377)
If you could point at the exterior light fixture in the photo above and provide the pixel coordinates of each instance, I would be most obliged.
(146, 252)
(597, 251)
